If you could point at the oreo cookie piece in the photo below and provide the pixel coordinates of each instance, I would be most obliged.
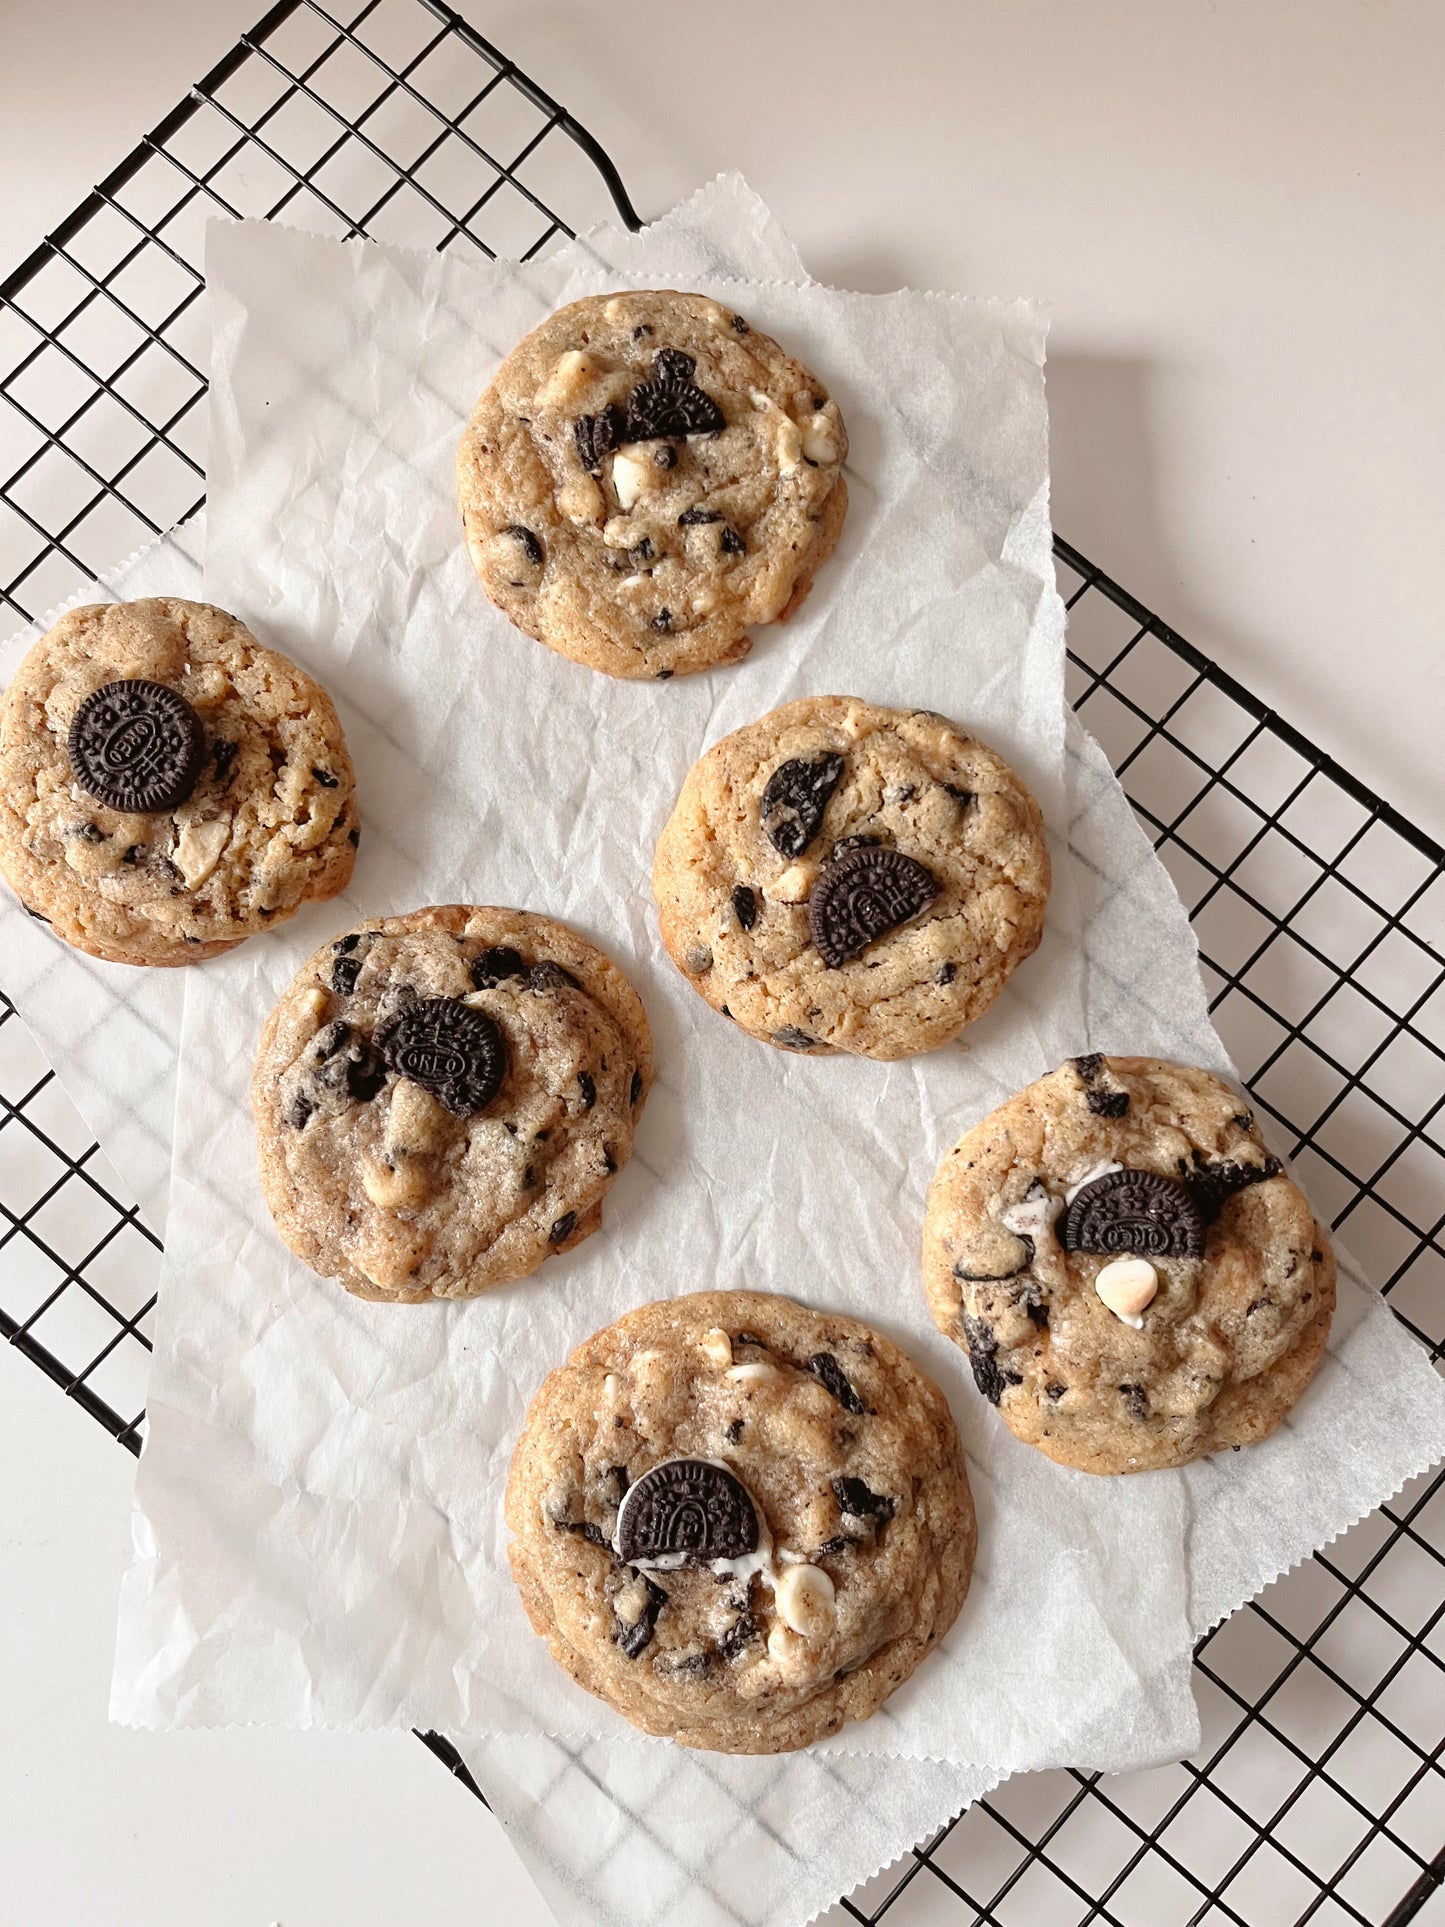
(137, 746)
(863, 896)
(452, 1051)
(795, 798)
(686, 1512)
(1139, 1214)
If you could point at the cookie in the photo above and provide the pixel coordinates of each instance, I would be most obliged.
(1135, 1280)
(740, 1522)
(839, 877)
(442, 1100)
(646, 479)
(167, 786)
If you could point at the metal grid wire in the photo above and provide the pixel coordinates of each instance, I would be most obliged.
(1319, 1792)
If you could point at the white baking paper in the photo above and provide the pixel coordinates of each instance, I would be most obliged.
(359, 1457)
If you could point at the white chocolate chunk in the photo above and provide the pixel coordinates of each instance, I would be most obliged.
(630, 1603)
(415, 1121)
(715, 315)
(580, 499)
(784, 1645)
(1126, 1286)
(567, 380)
(805, 1600)
(818, 443)
(716, 1347)
(616, 310)
(199, 847)
(394, 1190)
(755, 1372)
(630, 476)
(794, 884)
(789, 445)
(315, 1001)
(704, 603)
(612, 1385)
(1033, 1217)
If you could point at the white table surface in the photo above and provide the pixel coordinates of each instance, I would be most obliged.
(1238, 213)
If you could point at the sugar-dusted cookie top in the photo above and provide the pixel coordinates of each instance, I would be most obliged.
(740, 1522)
(167, 786)
(647, 478)
(1134, 1278)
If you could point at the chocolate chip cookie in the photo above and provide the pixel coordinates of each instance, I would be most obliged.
(442, 1100)
(740, 1522)
(167, 786)
(647, 478)
(1135, 1280)
(839, 877)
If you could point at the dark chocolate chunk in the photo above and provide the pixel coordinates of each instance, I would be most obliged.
(1138, 1400)
(862, 897)
(671, 403)
(745, 905)
(636, 1638)
(740, 1635)
(695, 517)
(597, 435)
(991, 1379)
(732, 543)
(494, 966)
(635, 1089)
(945, 973)
(662, 621)
(830, 1375)
(791, 1038)
(562, 1228)
(551, 976)
(1139, 1213)
(136, 746)
(325, 778)
(531, 547)
(1212, 1183)
(222, 756)
(795, 798)
(686, 1512)
(588, 1088)
(300, 1111)
(344, 973)
(451, 1050)
(859, 1501)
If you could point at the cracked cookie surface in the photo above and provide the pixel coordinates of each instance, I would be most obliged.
(443, 1099)
(257, 812)
(1134, 1278)
(843, 877)
(740, 1522)
(648, 477)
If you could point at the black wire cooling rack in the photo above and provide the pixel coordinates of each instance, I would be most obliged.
(1319, 1792)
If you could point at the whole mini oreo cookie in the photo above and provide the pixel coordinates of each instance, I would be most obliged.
(862, 896)
(686, 1512)
(136, 746)
(451, 1050)
(1136, 1213)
